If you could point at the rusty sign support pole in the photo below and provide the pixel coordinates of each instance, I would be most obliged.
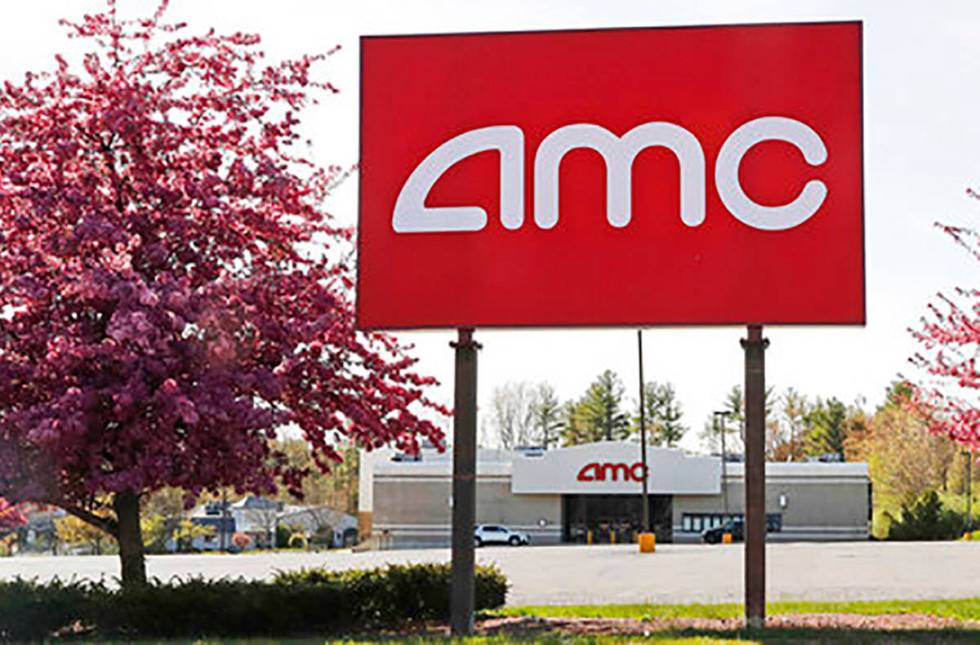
(463, 584)
(755, 477)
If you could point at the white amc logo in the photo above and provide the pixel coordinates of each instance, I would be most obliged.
(411, 215)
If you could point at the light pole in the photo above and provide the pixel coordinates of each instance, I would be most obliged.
(723, 430)
(969, 490)
(643, 436)
(224, 519)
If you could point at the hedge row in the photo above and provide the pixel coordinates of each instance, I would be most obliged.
(310, 601)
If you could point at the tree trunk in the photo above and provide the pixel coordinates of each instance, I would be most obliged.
(130, 537)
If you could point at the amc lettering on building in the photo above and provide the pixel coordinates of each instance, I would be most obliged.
(572, 495)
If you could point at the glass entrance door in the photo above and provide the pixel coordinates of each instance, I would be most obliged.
(603, 519)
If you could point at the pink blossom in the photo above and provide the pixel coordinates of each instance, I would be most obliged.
(153, 205)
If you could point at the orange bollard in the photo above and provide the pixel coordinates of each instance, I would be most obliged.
(648, 542)
(726, 538)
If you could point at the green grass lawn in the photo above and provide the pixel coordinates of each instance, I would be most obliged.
(771, 636)
(659, 639)
(961, 609)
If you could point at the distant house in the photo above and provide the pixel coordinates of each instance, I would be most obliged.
(39, 532)
(215, 515)
(254, 516)
(316, 521)
(259, 517)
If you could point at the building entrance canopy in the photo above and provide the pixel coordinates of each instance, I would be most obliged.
(614, 467)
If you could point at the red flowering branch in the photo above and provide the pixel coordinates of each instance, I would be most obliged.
(11, 517)
(948, 389)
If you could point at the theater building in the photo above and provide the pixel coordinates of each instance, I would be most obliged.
(592, 493)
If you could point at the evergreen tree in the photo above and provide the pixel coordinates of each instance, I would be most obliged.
(598, 415)
(602, 406)
(826, 429)
(663, 415)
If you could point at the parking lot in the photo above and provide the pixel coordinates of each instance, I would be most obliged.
(616, 574)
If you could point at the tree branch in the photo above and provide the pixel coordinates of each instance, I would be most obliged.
(107, 524)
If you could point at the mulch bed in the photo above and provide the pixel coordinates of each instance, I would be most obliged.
(530, 625)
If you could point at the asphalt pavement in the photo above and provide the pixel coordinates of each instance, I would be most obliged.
(613, 574)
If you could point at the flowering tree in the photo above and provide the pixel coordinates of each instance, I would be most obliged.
(172, 292)
(11, 517)
(949, 340)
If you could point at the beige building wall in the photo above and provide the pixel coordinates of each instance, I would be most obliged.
(416, 511)
(408, 504)
(815, 510)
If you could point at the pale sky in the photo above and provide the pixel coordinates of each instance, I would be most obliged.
(922, 150)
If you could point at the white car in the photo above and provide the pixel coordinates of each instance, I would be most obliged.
(492, 534)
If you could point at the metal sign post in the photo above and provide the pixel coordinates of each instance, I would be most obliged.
(755, 476)
(463, 585)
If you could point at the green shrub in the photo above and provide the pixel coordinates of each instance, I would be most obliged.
(310, 601)
(32, 612)
(229, 608)
(925, 519)
(283, 533)
(399, 593)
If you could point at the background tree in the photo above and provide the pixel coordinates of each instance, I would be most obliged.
(777, 443)
(75, 532)
(904, 460)
(794, 408)
(512, 415)
(663, 415)
(156, 531)
(547, 414)
(949, 346)
(857, 428)
(336, 489)
(574, 429)
(187, 531)
(826, 431)
(172, 290)
(734, 424)
(161, 512)
(598, 415)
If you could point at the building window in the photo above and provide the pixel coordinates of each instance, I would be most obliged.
(697, 522)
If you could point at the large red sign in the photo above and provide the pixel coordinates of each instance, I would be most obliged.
(663, 176)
